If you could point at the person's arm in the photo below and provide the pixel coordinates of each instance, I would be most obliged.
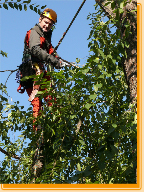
(37, 51)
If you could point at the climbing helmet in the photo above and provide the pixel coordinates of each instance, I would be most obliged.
(49, 13)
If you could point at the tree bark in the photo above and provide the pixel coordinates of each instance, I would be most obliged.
(130, 63)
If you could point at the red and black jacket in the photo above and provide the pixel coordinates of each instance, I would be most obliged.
(37, 48)
(39, 44)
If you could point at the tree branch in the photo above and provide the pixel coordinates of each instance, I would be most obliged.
(9, 70)
(9, 154)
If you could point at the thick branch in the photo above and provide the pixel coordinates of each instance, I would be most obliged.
(130, 63)
(107, 8)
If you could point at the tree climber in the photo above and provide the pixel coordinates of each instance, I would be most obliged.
(38, 52)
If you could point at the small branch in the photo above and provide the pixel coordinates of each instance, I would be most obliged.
(78, 126)
(58, 153)
(9, 70)
(70, 63)
(8, 154)
(8, 2)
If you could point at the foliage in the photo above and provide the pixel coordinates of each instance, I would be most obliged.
(4, 54)
(20, 5)
(90, 131)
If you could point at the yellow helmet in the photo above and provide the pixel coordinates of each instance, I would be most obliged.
(50, 14)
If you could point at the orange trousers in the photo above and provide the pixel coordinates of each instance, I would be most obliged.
(36, 103)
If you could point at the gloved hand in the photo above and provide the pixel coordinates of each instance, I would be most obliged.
(63, 63)
(53, 59)
(58, 63)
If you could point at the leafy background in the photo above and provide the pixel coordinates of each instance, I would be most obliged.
(90, 134)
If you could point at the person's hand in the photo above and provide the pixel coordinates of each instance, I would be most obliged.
(63, 63)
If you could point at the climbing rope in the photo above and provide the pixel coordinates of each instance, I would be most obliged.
(69, 26)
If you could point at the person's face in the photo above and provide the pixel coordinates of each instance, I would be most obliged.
(46, 24)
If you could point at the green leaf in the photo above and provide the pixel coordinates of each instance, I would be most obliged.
(101, 165)
(93, 96)
(122, 5)
(110, 130)
(115, 135)
(111, 181)
(109, 75)
(27, 1)
(100, 66)
(11, 5)
(101, 53)
(101, 76)
(20, 7)
(97, 86)
(109, 155)
(77, 60)
(31, 7)
(16, 6)
(87, 171)
(39, 11)
(82, 142)
(5, 6)
(18, 0)
(96, 60)
(114, 125)
(121, 10)
(84, 71)
(25, 7)
(35, 9)
(114, 149)
(87, 106)
(101, 148)
(113, 5)
(43, 7)
(21, 136)
(3, 53)
(79, 167)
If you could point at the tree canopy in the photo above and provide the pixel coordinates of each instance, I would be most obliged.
(89, 135)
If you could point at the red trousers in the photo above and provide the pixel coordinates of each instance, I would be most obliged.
(36, 103)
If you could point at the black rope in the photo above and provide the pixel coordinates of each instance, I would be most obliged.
(69, 26)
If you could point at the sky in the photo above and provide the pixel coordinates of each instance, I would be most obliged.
(15, 23)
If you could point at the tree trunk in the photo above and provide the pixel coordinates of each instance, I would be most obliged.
(130, 63)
